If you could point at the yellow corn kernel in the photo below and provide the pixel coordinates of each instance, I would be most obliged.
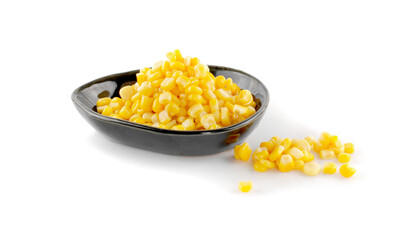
(141, 78)
(171, 124)
(107, 111)
(157, 66)
(286, 163)
(178, 127)
(311, 140)
(195, 110)
(298, 164)
(276, 153)
(225, 117)
(266, 163)
(116, 116)
(134, 117)
(187, 61)
(308, 157)
(201, 70)
(165, 98)
(103, 101)
(250, 112)
(260, 153)
(155, 76)
(260, 168)
(116, 103)
(329, 168)
(240, 110)
(245, 186)
(286, 143)
(157, 106)
(125, 113)
(222, 94)
(347, 170)
(155, 118)
(325, 139)
(147, 117)
(178, 55)
(242, 152)
(344, 157)
(178, 66)
(193, 90)
(168, 84)
(268, 145)
(172, 109)
(139, 120)
(244, 97)
(326, 154)
(171, 56)
(230, 106)
(301, 144)
(146, 89)
(100, 109)
(296, 153)
(146, 103)
(276, 140)
(195, 98)
(311, 169)
(166, 66)
(164, 117)
(207, 120)
(348, 148)
(338, 150)
(214, 126)
(335, 142)
(195, 61)
(317, 146)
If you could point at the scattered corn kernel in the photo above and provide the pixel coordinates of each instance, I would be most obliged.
(276, 153)
(311, 169)
(348, 148)
(344, 157)
(266, 163)
(329, 168)
(296, 153)
(260, 153)
(326, 154)
(347, 170)
(298, 164)
(242, 152)
(259, 167)
(245, 186)
(286, 163)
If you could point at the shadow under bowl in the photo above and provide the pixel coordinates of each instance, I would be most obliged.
(188, 143)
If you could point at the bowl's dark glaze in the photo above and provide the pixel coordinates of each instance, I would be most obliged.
(190, 143)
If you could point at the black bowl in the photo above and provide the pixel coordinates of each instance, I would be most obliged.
(190, 143)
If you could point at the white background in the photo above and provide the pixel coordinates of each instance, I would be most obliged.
(338, 66)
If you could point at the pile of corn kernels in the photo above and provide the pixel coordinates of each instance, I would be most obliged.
(180, 93)
(287, 155)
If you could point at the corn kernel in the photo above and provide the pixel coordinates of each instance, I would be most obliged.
(326, 154)
(156, 106)
(286, 163)
(311, 169)
(286, 143)
(335, 141)
(208, 120)
(260, 153)
(195, 98)
(348, 148)
(268, 145)
(107, 111)
(244, 97)
(260, 168)
(164, 117)
(222, 94)
(172, 109)
(266, 163)
(276, 140)
(165, 98)
(298, 164)
(311, 140)
(317, 146)
(344, 157)
(296, 153)
(195, 110)
(276, 153)
(125, 113)
(171, 124)
(347, 170)
(308, 157)
(100, 109)
(301, 144)
(325, 139)
(329, 168)
(146, 103)
(147, 117)
(242, 152)
(225, 117)
(141, 78)
(201, 71)
(103, 102)
(240, 110)
(168, 84)
(245, 186)
(179, 127)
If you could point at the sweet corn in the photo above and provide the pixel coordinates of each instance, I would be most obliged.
(268, 145)
(276, 153)
(260, 168)
(276, 140)
(296, 153)
(347, 170)
(164, 95)
(311, 140)
(286, 143)
(311, 169)
(266, 163)
(335, 141)
(286, 163)
(325, 139)
(260, 153)
(326, 154)
(301, 144)
(308, 157)
(348, 148)
(329, 168)
(298, 164)
(245, 186)
(179, 127)
(242, 152)
(344, 157)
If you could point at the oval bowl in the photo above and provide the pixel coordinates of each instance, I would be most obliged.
(188, 143)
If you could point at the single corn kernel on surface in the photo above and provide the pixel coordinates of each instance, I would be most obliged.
(242, 152)
(344, 157)
(326, 154)
(347, 170)
(311, 169)
(349, 148)
(245, 186)
(329, 168)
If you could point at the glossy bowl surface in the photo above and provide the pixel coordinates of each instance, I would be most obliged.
(189, 143)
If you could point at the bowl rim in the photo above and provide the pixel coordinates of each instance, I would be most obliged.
(127, 123)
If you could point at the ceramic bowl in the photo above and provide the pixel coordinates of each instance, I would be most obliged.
(189, 143)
